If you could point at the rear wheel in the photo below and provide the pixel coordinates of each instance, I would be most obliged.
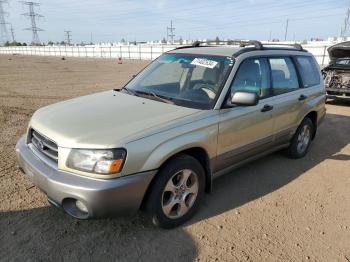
(176, 192)
(302, 139)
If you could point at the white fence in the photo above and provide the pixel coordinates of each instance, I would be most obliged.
(320, 53)
(144, 52)
(125, 52)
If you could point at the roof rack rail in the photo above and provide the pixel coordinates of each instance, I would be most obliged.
(295, 45)
(255, 43)
(241, 43)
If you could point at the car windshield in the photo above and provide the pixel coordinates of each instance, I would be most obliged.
(343, 61)
(193, 81)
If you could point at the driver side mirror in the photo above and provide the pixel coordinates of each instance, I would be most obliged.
(243, 98)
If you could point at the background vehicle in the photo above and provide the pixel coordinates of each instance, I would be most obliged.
(192, 115)
(337, 73)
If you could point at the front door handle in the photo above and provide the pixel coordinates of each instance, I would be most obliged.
(302, 97)
(266, 108)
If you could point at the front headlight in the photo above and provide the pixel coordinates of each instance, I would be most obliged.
(100, 161)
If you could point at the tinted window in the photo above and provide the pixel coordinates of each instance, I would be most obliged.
(284, 76)
(253, 75)
(308, 71)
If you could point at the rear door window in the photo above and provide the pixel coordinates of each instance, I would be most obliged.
(308, 71)
(284, 75)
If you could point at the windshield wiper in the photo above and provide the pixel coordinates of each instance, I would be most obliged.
(129, 91)
(160, 98)
(165, 99)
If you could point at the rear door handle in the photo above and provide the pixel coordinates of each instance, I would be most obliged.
(266, 108)
(302, 97)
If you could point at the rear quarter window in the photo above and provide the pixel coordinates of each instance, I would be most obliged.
(284, 75)
(308, 71)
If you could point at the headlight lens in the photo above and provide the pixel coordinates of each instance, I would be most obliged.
(98, 161)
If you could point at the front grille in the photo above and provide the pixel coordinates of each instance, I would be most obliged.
(44, 145)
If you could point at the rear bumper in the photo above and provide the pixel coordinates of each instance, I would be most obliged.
(120, 196)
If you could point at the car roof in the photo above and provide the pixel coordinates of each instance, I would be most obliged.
(209, 50)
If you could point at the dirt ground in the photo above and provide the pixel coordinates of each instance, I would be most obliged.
(274, 209)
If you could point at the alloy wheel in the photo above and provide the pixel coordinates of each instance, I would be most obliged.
(180, 193)
(304, 139)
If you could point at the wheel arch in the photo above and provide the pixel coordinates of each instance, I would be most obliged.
(196, 152)
(313, 117)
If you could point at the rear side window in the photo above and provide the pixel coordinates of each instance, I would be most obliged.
(284, 75)
(308, 71)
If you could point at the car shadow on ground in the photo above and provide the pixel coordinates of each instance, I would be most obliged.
(270, 173)
(49, 234)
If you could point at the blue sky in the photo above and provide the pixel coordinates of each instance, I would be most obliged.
(109, 20)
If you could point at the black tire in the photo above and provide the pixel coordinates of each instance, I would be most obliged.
(294, 151)
(155, 199)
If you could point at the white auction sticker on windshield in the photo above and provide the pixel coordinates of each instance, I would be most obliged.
(204, 62)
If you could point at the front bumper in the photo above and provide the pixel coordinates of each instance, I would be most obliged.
(120, 196)
(343, 93)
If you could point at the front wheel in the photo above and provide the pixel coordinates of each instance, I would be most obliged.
(176, 192)
(302, 139)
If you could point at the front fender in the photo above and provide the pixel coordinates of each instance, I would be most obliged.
(151, 152)
(203, 138)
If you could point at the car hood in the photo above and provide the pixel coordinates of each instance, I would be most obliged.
(340, 50)
(106, 120)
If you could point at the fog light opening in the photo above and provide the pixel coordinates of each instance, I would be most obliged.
(75, 208)
(80, 205)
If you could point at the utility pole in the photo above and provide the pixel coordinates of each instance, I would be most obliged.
(285, 35)
(32, 15)
(171, 32)
(344, 29)
(12, 34)
(68, 37)
(4, 36)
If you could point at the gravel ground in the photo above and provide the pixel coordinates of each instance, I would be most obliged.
(274, 209)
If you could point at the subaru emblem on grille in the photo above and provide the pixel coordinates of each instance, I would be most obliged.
(41, 145)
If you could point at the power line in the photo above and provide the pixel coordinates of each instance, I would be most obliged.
(236, 19)
(230, 5)
(4, 36)
(68, 37)
(241, 12)
(32, 15)
(255, 23)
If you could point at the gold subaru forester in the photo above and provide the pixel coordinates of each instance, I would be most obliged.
(157, 144)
